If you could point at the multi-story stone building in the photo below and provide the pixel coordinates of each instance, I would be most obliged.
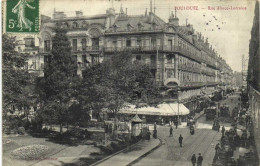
(85, 34)
(254, 79)
(178, 57)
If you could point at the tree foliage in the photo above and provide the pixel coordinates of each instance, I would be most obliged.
(17, 82)
(58, 88)
(117, 82)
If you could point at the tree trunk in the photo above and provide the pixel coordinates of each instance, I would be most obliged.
(115, 126)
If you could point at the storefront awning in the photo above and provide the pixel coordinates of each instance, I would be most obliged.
(170, 109)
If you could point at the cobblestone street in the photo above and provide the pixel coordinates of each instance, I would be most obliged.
(203, 141)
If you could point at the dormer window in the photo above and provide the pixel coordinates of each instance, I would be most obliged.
(75, 25)
(170, 29)
(129, 27)
(139, 26)
(84, 24)
(66, 25)
(115, 27)
(154, 26)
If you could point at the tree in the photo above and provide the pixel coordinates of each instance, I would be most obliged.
(17, 82)
(59, 86)
(117, 82)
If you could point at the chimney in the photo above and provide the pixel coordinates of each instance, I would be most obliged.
(79, 13)
(58, 15)
(194, 38)
(125, 11)
(174, 20)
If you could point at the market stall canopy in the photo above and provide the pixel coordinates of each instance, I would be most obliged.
(165, 109)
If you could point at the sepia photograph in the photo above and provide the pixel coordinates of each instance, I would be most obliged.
(130, 83)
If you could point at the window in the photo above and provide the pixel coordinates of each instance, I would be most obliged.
(169, 59)
(84, 60)
(153, 59)
(75, 25)
(95, 43)
(153, 43)
(47, 45)
(170, 44)
(29, 42)
(94, 59)
(128, 43)
(74, 44)
(66, 25)
(129, 27)
(84, 42)
(138, 57)
(114, 43)
(138, 43)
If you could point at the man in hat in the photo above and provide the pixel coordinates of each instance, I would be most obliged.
(199, 161)
(180, 140)
(171, 131)
(193, 160)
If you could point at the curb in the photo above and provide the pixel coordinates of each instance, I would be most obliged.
(147, 153)
(108, 157)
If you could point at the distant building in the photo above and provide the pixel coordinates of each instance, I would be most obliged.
(29, 46)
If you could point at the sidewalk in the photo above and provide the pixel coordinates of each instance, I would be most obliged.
(134, 153)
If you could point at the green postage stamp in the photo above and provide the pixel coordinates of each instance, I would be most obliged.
(22, 16)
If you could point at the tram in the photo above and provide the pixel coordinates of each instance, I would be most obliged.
(210, 112)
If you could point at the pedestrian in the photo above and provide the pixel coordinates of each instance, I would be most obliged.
(223, 130)
(217, 147)
(180, 140)
(171, 131)
(155, 125)
(176, 124)
(199, 161)
(193, 160)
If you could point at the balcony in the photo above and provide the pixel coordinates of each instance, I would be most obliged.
(133, 48)
(169, 66)
(189, 68)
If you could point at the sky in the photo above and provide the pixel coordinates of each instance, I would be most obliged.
(229, 31)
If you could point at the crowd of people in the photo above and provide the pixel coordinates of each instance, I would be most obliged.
(231, 141)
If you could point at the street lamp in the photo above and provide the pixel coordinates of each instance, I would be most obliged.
(178, 90)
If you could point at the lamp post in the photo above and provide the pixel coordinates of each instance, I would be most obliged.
(178, 93)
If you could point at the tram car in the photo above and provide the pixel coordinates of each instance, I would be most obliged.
(224, 111)
(210, 112)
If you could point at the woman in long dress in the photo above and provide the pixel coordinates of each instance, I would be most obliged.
(23, 22)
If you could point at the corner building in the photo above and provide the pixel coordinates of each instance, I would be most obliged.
(178, 57)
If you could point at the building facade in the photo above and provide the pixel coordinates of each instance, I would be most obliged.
(254, 78)
(179, 57)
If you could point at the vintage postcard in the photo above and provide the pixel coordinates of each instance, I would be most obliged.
(130, 82)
